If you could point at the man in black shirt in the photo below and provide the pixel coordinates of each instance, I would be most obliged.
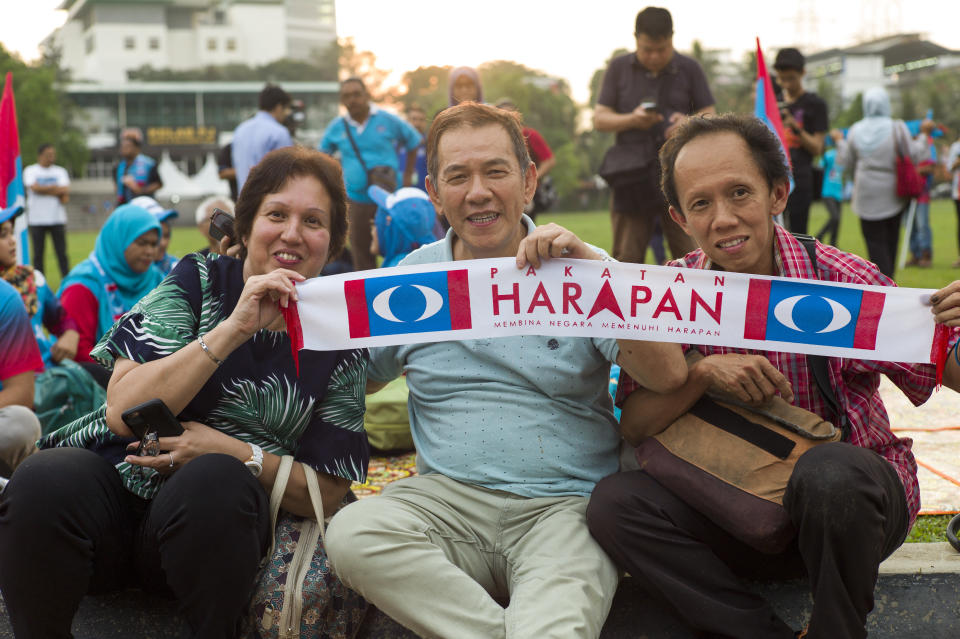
(645, 96)
(805, 124)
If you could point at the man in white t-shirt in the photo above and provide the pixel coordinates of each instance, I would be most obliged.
(48, 189)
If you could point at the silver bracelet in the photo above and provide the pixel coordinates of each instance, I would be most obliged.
(213, 358)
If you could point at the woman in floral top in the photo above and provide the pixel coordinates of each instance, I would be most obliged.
(209, 341)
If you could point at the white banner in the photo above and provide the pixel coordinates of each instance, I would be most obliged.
(583, 298)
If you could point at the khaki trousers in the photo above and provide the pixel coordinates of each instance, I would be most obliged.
(19, 432)
(436, 555)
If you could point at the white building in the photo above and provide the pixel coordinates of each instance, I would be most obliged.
(896, 62)
(104, 39)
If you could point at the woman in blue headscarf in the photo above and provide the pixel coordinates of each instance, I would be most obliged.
(117, 274)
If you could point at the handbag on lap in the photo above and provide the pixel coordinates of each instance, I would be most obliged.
(297, 594)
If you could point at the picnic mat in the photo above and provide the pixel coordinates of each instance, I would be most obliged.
(934, 428)
(385, 469)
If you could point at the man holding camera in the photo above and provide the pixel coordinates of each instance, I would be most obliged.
(805, 123)
(645, 96)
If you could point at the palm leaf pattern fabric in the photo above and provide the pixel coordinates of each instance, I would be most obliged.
(255, 396)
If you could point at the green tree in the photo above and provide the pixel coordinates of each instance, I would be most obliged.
(853, 113)
(362, 64)
(426, 87)
(43, 111)
(940, 91)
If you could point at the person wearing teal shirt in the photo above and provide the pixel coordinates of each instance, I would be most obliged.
(366, 137)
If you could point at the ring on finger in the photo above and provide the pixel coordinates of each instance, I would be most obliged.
(171, 458)
(564, 251)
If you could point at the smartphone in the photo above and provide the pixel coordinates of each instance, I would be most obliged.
(221, 225)
(152, 416)
(649, 105)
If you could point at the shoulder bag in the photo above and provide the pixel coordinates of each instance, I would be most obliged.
(297, 594)
(636, 163)
(383, 176)
(909, 182)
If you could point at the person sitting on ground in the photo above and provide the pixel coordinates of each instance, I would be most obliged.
(164, 261)
(43, 307)
(511, 433)
(20, 361)
(119, 271)
(203, 215)
(725, 179)
(405, 221)
(194, 521)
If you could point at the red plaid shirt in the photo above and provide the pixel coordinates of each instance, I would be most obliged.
(856, 382)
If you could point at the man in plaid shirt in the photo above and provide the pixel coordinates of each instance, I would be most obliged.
(853, 502)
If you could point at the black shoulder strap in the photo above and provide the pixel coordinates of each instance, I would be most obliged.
(354, 145)
(818, 364)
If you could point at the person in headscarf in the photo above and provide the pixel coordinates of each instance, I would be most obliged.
(871, 149)
(119, 271)
(465, 86)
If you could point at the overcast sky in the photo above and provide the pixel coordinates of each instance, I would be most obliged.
(566, 38)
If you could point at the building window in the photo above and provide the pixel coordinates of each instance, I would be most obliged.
(129, 43)
(231, 44)
(88, 44)
(154, 43)
(211, 44)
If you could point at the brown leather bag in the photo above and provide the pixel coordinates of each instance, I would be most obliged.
(732, 463)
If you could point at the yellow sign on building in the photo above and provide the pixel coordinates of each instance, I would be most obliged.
(181, 135)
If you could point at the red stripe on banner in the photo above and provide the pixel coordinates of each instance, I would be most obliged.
(871, 308)
(758, 304)
(291, 317)
(458, 294)
(358, 317)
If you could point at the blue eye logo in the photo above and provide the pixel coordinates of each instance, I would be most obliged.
(412, 303)
(803, 312)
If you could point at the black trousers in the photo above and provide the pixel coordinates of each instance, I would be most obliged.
(882, 237)
(847, 504)
(38, 238)
(798, 204)
(68, 527)
(832, 225)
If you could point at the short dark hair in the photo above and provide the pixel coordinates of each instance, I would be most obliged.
(789, 59)
(763, 143)
(474, 115)
(271, 96)
(273, 172)
(43, 147)
(655, 23)
(358, 80)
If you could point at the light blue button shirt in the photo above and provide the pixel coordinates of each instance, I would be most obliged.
(529, 414)
(253, 139)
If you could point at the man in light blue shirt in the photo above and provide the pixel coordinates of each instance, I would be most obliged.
(262, 133)
(366, 137)
(511, 433)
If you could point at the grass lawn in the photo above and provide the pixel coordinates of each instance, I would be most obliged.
(594, 227)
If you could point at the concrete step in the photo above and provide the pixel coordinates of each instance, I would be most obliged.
(917, 596)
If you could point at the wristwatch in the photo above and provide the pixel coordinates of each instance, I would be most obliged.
(255, 463)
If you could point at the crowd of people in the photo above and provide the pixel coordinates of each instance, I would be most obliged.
(521, 518)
